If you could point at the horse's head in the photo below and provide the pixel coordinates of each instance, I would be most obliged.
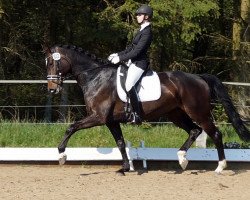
(58, 65)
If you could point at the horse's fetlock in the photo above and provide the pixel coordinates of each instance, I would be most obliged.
(126, 166)
(61, 150)
(120, 144)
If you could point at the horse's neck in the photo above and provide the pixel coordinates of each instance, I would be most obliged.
(94, 78)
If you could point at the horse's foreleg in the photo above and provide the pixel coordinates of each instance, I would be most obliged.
(87, 122)
(116, 131)
(62, 146)
(70, 131)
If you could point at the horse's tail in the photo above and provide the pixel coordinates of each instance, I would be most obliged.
(218, 92)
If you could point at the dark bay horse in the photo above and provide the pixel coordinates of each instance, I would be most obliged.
(185, 100)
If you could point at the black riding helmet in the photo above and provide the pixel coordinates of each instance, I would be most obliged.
(145, 9)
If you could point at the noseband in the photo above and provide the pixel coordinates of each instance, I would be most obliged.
(57, 78)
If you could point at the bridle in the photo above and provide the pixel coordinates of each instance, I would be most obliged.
(57, 57)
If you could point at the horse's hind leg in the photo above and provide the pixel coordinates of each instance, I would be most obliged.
(216, 136)
(182, 120)
(116, 131)
(194, 131)
(182, 153)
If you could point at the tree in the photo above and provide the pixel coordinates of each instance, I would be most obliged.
(176, 24)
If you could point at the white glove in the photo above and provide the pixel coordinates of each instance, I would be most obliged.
(115, 60)
(112, 56)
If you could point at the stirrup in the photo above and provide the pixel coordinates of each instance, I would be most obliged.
(135, 119)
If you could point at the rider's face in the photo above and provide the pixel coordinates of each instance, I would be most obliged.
(140, 18)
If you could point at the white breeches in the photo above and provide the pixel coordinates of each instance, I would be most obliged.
(134, 74)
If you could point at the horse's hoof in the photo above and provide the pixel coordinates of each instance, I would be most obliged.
(183, 163)
(120, 172)
(218, 171)
(62, 158)
(126, 167)
(222, 165)
(143, 171)
(182, 159)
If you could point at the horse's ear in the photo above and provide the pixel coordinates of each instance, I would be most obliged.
(46, 48)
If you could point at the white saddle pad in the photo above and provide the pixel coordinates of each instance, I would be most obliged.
(150, 88)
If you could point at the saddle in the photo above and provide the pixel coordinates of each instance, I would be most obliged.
(148, 87)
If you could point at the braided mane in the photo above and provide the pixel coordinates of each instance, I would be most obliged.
(81, 51)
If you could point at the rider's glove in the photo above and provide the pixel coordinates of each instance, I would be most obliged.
(115, 60)
(111, 56)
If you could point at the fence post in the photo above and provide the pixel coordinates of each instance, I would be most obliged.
(128, 144)
(201, 141)
(142, 144)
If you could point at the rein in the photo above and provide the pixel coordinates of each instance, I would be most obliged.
(57, 57)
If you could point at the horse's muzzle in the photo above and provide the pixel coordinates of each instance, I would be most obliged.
(54, 83)
(55, 91)
(54, 87)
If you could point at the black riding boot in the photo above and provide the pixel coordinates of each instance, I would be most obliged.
(136, 109)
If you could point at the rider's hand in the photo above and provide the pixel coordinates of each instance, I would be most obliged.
(115, 60)
(111, 56)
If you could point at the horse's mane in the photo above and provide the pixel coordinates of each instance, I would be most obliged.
(81, 51)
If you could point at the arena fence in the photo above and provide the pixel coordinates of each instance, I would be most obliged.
(113, 154)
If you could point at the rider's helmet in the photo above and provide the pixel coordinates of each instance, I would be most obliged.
(145, 9)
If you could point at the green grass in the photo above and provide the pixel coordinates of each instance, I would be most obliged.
(49, 135)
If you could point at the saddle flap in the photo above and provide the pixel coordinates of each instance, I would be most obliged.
(149, 88)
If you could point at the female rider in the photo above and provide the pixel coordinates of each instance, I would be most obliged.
(135, 56)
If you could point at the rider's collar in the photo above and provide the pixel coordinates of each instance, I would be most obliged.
(144, 25)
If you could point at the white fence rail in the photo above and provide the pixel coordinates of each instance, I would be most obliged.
(73, 81)
(113, 154)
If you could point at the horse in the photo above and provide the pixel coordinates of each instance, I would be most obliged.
(185, 100)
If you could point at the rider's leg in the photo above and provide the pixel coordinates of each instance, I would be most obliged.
(134, 74)
(136, 110)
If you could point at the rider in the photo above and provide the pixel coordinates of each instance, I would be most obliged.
(136, 57)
